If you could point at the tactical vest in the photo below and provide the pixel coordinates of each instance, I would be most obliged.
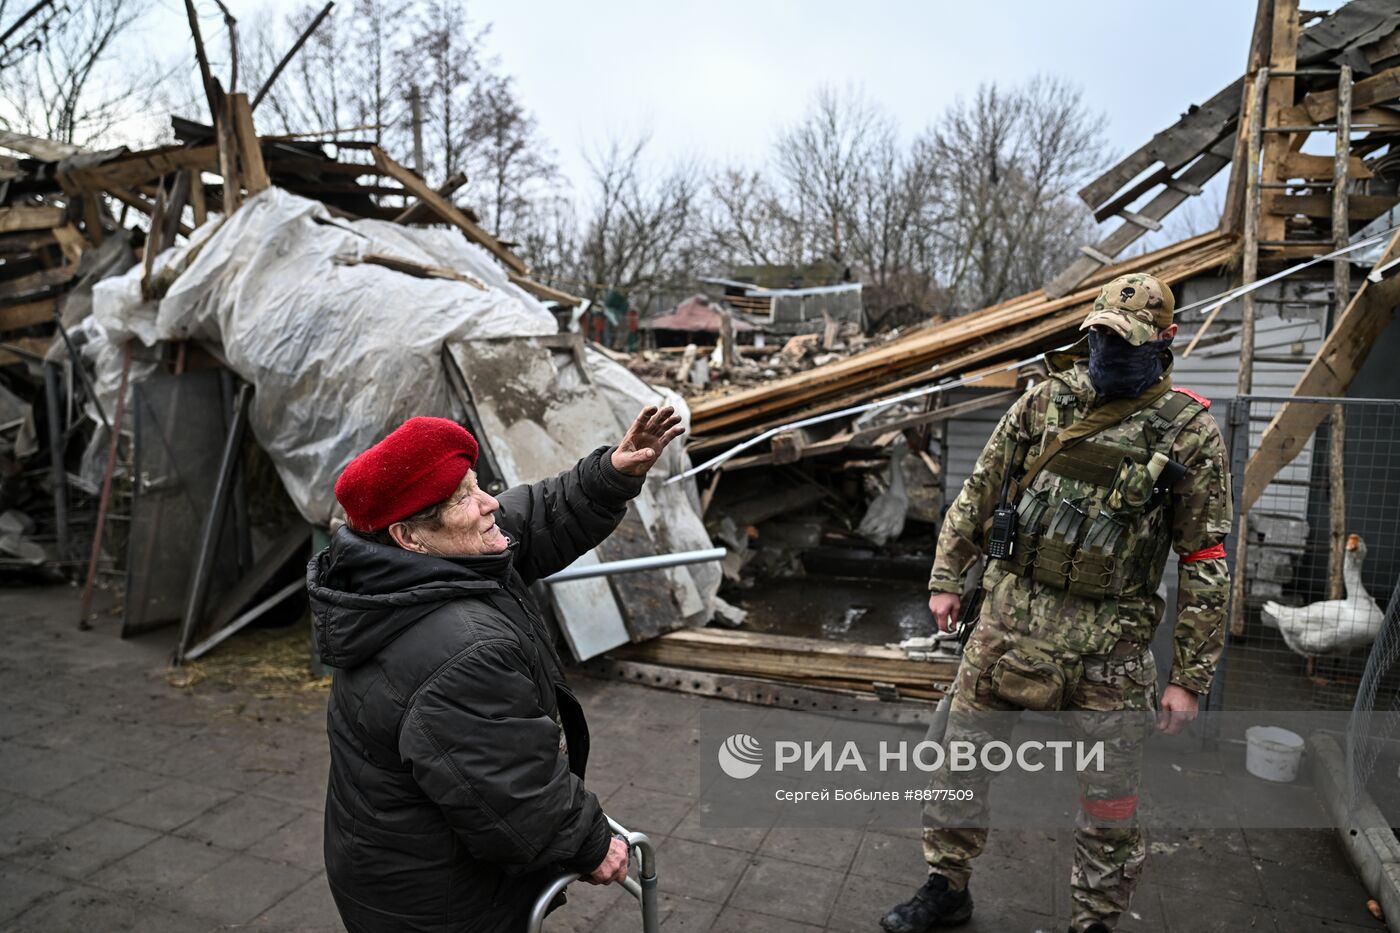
(1093, 522)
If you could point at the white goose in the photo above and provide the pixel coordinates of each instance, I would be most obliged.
(1336, 626)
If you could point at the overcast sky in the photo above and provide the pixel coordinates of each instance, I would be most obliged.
(718, 79)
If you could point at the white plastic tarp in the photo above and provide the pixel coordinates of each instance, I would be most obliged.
(339, 352)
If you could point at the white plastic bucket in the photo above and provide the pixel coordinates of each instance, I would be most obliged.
(1273, 753)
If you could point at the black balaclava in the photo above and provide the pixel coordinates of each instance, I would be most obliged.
(1120, 370)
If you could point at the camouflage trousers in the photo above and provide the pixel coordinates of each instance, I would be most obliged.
(1109, 847)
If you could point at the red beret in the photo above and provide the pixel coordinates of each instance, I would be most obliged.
(419, 465)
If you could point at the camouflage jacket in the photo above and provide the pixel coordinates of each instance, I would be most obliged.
(1196, 520)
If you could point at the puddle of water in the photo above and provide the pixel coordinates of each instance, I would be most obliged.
(871, 612)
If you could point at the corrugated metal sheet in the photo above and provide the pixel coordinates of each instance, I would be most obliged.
(1213, 371)
(965, 438)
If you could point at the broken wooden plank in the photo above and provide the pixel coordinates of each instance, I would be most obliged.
(29, 314)
(1319, 168)
(249, 148)
(17, 219)
(1283, 57)
(226, 133)
(806, 660)
(1359, 206)
(141, 204)
(1354, 333)
(1014, 327)
(1166, 201)
(409, 267)
(24, 350)
(791, 446)
(418, 212)
(291, 53)
(70, 242)
(1321, 106)
(46, 150)
(197, 202)
(139, 168)
(28, 241)
(1260, 42)
(446, 210)
(37, 281)
(546, 292)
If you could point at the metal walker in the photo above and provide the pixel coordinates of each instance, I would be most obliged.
(642, 887)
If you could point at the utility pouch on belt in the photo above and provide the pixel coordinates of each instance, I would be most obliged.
(1055, 555)
(1031, 682)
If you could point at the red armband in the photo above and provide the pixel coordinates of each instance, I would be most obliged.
(1215, 552)
(1121, 808)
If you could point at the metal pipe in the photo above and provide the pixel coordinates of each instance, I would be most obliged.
(633, 564)
(1321, 399)
(252, 615)
(214, 522)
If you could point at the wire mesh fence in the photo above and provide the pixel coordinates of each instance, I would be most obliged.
(1316, 550)
(1373, 754)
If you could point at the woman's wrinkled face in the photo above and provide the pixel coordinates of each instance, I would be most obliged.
(468, 526)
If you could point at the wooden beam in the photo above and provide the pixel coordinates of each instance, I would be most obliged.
(29, 241)
(791, 446)
(1360, 206)
(1319, 168)
(249, 149)
(16, 219)
(446, 210)
(1342, 354)
(812, 661)
(142, 205)
(1283, 56)
(197, 202)
(70, 242)
(226, 133)
(545, 292)
(29, 314)
(23, 349)
(37, 281)
(999, 330)
(1167, 200)
(296, 47)
(1321, 106)
(418, 212)
(409, 267)
(45, 150)
(140, 168)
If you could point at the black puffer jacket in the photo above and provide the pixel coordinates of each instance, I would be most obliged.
(457, 751)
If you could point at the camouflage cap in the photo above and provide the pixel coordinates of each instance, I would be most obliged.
(1135, 307)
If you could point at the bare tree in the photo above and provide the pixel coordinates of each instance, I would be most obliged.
(896, 202)
(346, 76)
(1008, 163)
(746, 221)
(510, 164)
(636, 232)
(821, 160)
(66, 86)
(446, 51)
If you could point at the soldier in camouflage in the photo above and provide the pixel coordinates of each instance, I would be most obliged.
(1067, 618)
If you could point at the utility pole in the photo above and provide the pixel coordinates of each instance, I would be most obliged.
(415, 103)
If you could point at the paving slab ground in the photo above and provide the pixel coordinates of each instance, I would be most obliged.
(131, 801)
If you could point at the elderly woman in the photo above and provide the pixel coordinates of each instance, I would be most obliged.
(457, 750)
